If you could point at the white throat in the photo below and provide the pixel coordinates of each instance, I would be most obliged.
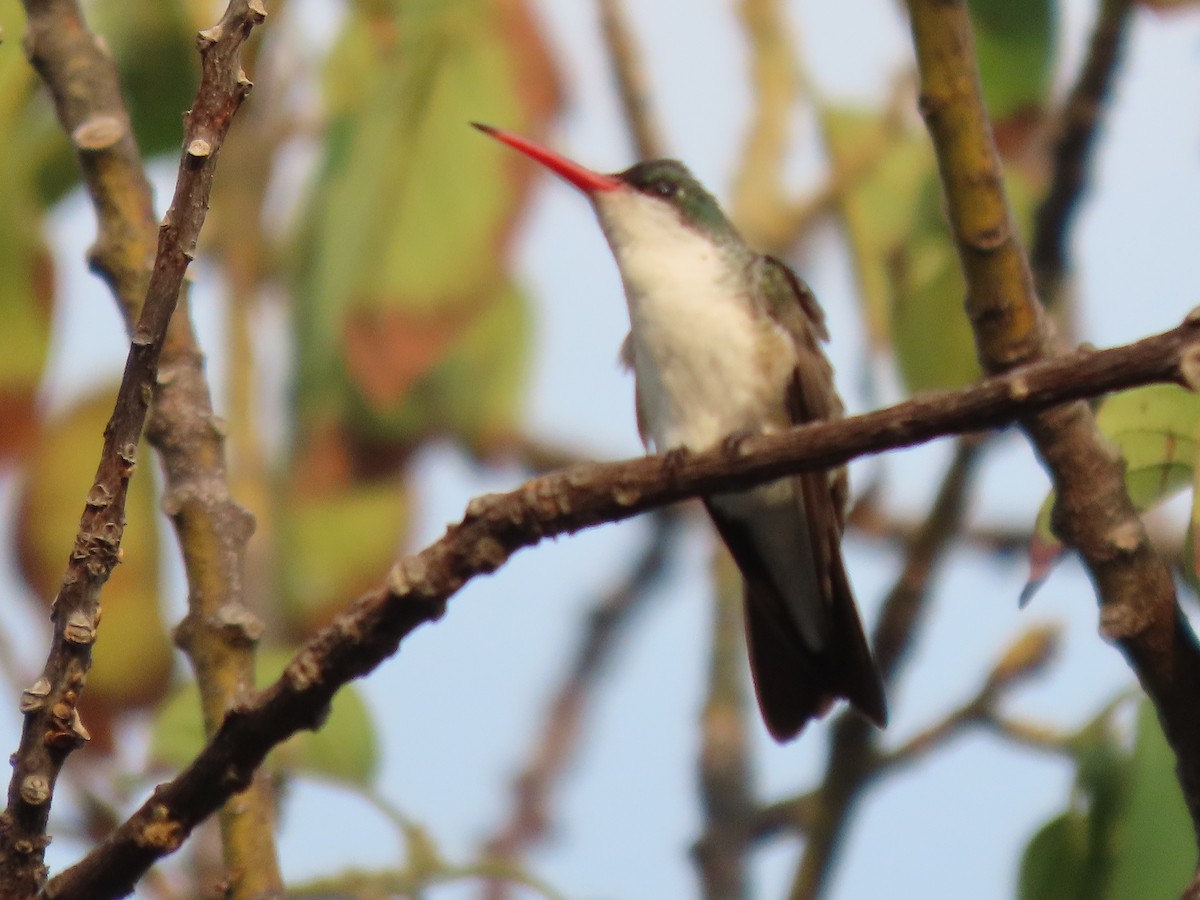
(697, 345)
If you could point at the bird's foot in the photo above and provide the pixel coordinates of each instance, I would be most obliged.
(674, 459)
(732, 443)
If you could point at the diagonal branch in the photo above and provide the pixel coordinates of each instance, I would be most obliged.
(630, 76)
(213, 529)
(559, 738)
(1093, 512)
(52, 728)
(1078, 131)
(496, 526)
(854, 750)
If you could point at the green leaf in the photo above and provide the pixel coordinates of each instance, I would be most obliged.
(1014, 43)
(402, 268)
(154, 45)
(935, 347)
(1156, 852)
(1054, 861)
(336, 545)
(1155, 428)
(878, 205)
(345, 748)
(1127, 834)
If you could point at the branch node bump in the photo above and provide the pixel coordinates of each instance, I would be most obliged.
(98, 133)
(209, 36)
(239, 625)
(1189, 367)
(302, 673)
(408, 576)
(199, 149)
(34, 696)
(626, 495)
(1126, 537)
(35, 789)
(80, 629)
(99, 497)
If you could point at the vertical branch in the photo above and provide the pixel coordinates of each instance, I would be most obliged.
(630, 76)
(853, 747)
(1092, 513)
(724, 758)
(559, 736)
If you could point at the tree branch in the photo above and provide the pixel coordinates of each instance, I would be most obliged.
(212, 528)
(88, 101)
(854, 754)
(607, 623)
(497, 525)
(630, 76)
(1093, 512)
(725, 781)
(1073, 147)
(759, 208)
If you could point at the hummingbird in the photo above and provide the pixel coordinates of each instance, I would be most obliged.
(725, 342)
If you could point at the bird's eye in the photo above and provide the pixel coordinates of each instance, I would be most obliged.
(664, 189)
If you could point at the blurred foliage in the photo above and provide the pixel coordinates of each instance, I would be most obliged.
(1126, 834)
(1015, 43)
(1157, 431)
(407, 325)
(344, 749)
(26, 268)
(911, 286)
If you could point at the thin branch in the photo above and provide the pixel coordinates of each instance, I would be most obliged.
(759, 208)
(213, 529)
(1078, 131)
(52, 727)
(559, 737)
(1025, 659)
(496, 526)
(854, 753)
(1092, 512)
(630, 76)
(724, 756)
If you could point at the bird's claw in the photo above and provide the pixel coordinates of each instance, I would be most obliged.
(732, 444)
(674, 459)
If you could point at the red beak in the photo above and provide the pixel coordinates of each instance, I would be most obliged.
(585, 179)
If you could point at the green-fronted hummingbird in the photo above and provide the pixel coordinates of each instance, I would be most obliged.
(725, 342)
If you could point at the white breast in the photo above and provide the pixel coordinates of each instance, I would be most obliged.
(697, 352)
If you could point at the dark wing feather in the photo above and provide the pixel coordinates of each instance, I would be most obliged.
(794, 680)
